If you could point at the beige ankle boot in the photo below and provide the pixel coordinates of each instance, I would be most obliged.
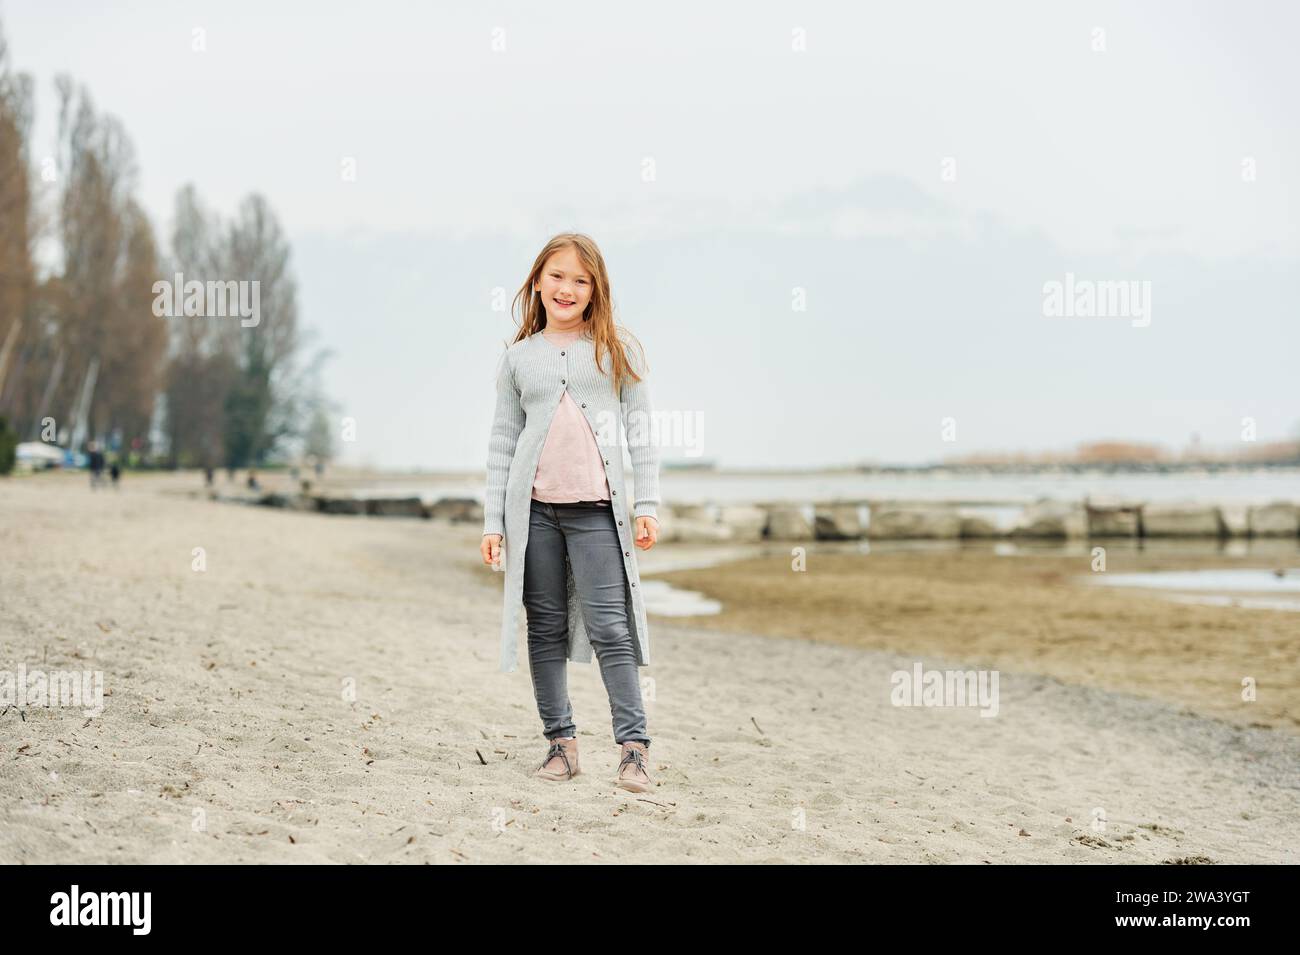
(633, 768)
(561, 761)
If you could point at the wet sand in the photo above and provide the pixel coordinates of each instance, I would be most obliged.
(1032, 611)
(326, 691)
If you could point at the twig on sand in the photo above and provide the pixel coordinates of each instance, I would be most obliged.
(653, 803)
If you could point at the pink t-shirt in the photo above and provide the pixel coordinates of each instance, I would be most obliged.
(570, 467)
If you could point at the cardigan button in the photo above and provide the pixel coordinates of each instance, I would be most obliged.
(561, 353)
(561, 381)
(584, 404)
(607, 462)
(627, 553)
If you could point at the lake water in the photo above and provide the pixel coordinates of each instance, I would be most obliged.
(1251, 589)
(669, 601)
(1215, 579)
(1005, 491)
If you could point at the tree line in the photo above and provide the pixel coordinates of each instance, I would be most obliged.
(84, 353)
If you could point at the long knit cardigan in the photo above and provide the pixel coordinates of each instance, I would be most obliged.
(531, 380)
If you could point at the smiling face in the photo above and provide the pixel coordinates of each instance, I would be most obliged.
(565, 288)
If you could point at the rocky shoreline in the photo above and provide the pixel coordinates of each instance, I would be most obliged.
(1045, 519)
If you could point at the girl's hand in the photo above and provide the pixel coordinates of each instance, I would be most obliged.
(647, 532)
(491, 549)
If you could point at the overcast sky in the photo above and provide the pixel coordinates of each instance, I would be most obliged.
(919, 171)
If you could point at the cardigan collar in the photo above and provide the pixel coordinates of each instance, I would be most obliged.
(584, 336)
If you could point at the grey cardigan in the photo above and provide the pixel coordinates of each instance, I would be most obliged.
(532, 378)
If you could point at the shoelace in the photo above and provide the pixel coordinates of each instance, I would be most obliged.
(633, 755)
(558, 750)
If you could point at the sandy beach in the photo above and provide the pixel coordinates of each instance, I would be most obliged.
(325, 690)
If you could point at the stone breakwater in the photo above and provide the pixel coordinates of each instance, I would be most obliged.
(872, 519)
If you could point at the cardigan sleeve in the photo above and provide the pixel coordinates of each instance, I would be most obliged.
(507, 422)
(638, 415)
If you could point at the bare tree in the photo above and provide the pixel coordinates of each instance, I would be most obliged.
(202, 364)
(133, 355)
(16, 233)
(97, 307)
(259, 408)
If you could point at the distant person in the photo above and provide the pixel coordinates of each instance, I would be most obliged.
(115, 472)
(209, 475)
(567, 530)
(252, 481)
(96, 465)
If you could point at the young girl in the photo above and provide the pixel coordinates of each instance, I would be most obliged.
(556, 501)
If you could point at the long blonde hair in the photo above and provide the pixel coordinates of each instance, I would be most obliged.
(598, 316)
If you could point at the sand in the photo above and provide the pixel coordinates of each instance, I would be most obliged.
(229, 732)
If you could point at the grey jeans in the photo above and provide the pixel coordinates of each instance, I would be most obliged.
(584, 533)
